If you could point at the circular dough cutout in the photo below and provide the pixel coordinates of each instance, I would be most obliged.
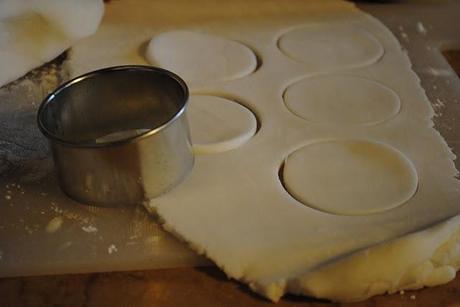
(324, 47)
(201, 57)
(218, 124)
(350, 177)
(342, 100)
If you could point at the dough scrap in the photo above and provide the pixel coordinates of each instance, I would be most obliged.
(201, 57)
(35, 32)
(322, 47)
(218, 124)
(350, 177)
(423, 259)
(341, 100)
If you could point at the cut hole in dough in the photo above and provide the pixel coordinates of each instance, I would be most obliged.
(327, 47)
(350, 177)
(218, 124)
(201, 57)
(342, 100)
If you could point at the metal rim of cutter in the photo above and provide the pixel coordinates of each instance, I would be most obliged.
(126, 170)
(52, 136)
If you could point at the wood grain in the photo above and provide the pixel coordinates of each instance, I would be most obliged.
(203, 286)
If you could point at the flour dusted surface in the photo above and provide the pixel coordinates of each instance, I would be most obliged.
(234, 207)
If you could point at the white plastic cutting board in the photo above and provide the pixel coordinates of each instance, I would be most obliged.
(33, 241)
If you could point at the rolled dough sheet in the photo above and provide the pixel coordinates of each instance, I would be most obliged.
(329, 47)
(233, 207)
(349, 177)
(249, 225)
(200, 56)
(353, 101)
(218, 124)
(35, 32)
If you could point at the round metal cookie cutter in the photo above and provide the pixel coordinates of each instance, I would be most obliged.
(119, 135)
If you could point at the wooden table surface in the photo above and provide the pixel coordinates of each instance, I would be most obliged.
(201, 286)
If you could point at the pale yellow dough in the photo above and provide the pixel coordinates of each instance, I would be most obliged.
(350, 177)
(201, 57)
(324, 48)
(218, 124)
(351, 100)
(424, 259)
(251, 227)
(233, 207)
(34, 32)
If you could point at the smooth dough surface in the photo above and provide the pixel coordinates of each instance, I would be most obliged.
(201, 57)
(341, 100)
(234, 209)
(253, 229)
(35, 32)
(349, 177)
(322, 47)
(218, 124)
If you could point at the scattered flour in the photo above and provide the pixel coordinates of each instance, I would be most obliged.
(65, 245)
(439, 72)
(438, 105)
(152, 240)
(403, 33)
(420, 28)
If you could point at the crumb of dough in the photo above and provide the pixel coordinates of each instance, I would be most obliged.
(112, 249)
(54, 224)
(89, 229)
